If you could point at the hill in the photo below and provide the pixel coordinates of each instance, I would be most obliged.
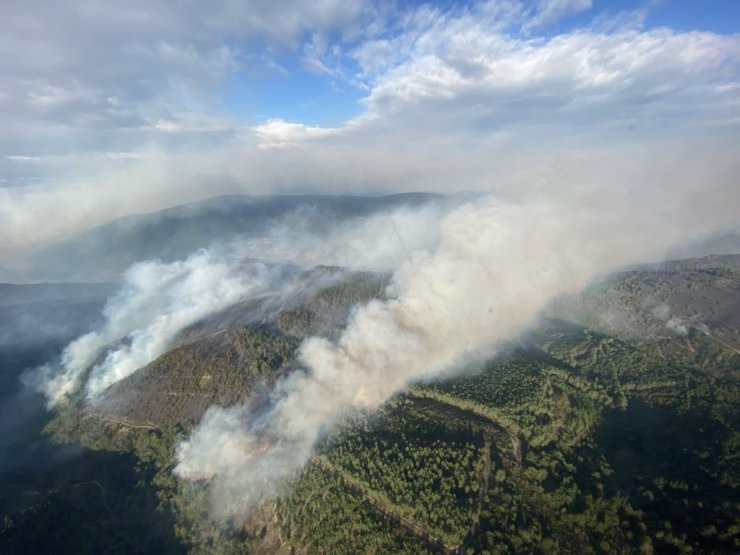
(104, 252)
(590, 435)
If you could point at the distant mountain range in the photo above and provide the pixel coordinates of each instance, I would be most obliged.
(102, 253)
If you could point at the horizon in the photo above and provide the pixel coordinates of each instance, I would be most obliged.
(135, 109)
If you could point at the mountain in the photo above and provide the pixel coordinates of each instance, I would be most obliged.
(590, 434)
(102, 253)
(661, 301)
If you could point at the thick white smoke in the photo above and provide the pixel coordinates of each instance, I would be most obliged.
(159, 300)
(377, 242)
(497, 265)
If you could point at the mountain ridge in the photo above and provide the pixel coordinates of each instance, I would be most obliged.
(103, 252)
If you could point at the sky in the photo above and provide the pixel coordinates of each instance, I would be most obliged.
(119, 107)
(607, 133)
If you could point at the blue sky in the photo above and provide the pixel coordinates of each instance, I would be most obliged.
(300, 94)
(114, 108)
(719, 16)
(297, 95)
(116, 77)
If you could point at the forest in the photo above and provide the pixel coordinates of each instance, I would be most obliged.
(570, 440)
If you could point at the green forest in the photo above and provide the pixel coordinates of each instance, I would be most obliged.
(571, 440)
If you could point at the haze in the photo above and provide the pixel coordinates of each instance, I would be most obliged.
(567, 139)
(109, 111)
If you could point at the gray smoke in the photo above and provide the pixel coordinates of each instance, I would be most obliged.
(158, 300)
(497, 265)
(678, 324)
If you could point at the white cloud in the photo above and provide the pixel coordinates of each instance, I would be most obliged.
(91, 77)
(321, 58)
(462, 60)
(20, 158)
(551, 11)
(276, 133)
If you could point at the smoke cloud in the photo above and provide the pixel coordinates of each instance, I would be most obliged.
(604, 145)
(466, 278)
(158, 300)
(678, 324)
(379, 242)
(497, 264)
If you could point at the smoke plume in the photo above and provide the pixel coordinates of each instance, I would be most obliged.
(467, 276)
(497, 264)
(159, 300)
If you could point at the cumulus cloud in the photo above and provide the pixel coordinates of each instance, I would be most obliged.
(277, 132)
(105, 76)
(627, 72)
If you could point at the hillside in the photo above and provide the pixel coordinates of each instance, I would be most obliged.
(104, 252)
(590, 435)
(680, 298)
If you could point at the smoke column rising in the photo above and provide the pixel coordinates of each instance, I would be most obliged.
(496, 267)
(157, 301)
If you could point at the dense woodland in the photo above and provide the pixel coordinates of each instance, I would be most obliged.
(573, 440)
